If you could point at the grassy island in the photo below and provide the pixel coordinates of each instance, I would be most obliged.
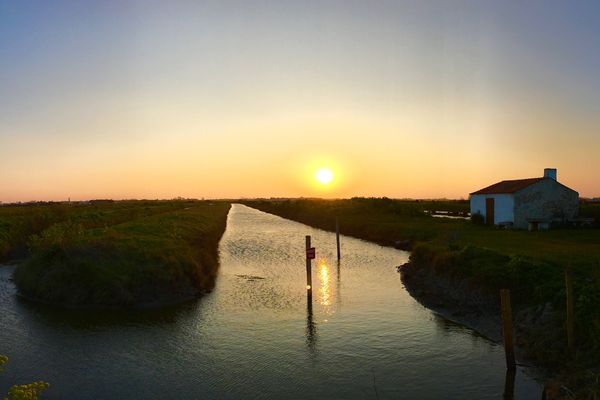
(455, 253)
(117, 254)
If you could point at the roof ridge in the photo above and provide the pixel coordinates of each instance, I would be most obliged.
(522, 179)
(508, 186)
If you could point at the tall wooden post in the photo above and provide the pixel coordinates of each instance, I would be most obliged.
(507, 330)
(310, 325)
(570, 312)
(308, 271)
(509, 384)
(337, 237)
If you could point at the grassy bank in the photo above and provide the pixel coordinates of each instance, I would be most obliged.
(18, 223)
(389, 222)
(530, 264)
(125, 256)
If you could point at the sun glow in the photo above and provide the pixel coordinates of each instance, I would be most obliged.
(324, 176)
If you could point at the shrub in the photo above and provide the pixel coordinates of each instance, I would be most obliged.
(422, 254)
(445, 261)
(477, 219)
(30, 391)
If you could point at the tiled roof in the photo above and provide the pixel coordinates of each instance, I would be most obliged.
(511, 186)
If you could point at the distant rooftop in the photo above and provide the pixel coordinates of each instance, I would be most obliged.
(510, 186)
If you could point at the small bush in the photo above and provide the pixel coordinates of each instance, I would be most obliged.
(445, 261)
(477, 219)
(30, 391)
(422, 254)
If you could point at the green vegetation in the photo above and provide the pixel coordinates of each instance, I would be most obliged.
(590, 209)
(30, 391)
(19, 222)
(530, 264)
(115, 254)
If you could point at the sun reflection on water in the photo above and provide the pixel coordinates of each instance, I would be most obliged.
(325, 290)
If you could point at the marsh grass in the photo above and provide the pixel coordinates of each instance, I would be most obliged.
(18, 223)
(152, 258)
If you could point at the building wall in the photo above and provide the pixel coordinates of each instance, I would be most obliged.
(545, 200)
(503, 206)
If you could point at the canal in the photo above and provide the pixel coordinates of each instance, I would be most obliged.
(254, 337)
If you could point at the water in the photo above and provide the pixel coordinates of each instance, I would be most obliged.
(254, 337)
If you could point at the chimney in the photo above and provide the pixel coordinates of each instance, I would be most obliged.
(550, 173)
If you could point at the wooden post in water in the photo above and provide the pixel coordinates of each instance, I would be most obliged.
(308, 271)
(570, 313)
(507, 329)
(509, 384)
(337, 237)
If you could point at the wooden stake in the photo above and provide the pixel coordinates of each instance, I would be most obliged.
(507, 330)
(570, 313)
(337, 237)
(509, 384)
(308, 271)
(310, 325)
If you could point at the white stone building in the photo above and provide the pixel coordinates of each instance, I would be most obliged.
(533, 203)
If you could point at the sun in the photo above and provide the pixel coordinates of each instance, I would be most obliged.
(324, 176)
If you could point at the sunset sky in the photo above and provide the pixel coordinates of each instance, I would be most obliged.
(158, 99)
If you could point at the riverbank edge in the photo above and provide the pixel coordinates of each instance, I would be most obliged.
(190, 295)
(463, 302)
(12, 264)
(207, 256)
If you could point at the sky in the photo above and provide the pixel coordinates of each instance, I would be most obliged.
(229, 99)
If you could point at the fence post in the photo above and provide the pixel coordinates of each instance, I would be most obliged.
(507, 329)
